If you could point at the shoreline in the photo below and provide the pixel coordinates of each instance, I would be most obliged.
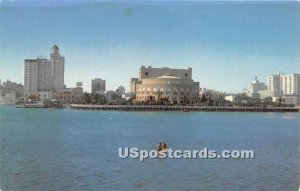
(182, 108)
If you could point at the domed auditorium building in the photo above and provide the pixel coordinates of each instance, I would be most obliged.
(175, 86)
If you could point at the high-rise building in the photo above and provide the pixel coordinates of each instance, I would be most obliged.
(58, 68)
(120, 90)
(254, 88)
(273, 82)
(289, 84)
(98, 86)
(43, 75)
(274, 88)
(284, 86)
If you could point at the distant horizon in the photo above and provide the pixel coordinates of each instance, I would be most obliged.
(226, 44)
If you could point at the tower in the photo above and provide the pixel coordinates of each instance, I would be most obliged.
(58, 68)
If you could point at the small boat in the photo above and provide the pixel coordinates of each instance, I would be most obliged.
(163, 151)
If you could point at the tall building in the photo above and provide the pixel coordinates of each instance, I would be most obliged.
(284, 86)
(289, 84)
(42, 75)
(58, 68)
(98, 86)
(120, 90)
(254, 88)
(273, 82)
(274, 88)
(173, 85)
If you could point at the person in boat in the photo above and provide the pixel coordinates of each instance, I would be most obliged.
(164, 146)
(159, 147)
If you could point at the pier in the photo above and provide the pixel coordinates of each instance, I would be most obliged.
(182, 108)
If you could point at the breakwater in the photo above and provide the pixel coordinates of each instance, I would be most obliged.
(182, 108)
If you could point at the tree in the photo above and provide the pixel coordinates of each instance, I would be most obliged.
(203, 98)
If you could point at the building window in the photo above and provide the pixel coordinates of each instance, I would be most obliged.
(146, 73)
(186, 75)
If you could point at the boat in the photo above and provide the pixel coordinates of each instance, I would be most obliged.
(163, 151)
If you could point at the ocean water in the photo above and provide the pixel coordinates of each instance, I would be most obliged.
(49, 149)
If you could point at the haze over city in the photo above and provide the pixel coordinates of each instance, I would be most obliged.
(225, 44)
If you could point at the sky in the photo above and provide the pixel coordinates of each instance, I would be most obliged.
(227, 44)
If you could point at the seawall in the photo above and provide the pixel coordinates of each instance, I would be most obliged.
(182, 108)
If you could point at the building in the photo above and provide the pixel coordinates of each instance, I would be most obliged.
(7, 97)
(133, 84)
(230, 98)
(42, 75)
(274, 87)
(291, 100)
(79, 84)
(254, 88)
(270, 93)
(120, 90)
(9, 86)
(274, 82)
(175, 86)
(68, 95)
(58, 68)
(289, 84)
(98, 86)
(284, 86)
(111, 96)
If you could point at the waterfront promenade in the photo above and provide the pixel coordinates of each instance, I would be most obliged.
(182, 108)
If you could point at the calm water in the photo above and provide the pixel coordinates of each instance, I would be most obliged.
(44, 149)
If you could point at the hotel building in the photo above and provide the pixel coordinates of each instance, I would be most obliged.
(42, 76)
(98, 86)
(289, 84)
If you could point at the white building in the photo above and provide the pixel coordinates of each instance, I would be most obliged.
(42, 75)
(254, 88)
(284, 86)
(274, 87)
(98, 86)
(289, 83)
(230, 98)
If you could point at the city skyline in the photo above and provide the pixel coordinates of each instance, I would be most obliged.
(226, 44)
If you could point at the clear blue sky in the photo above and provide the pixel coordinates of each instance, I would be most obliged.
(226, 43)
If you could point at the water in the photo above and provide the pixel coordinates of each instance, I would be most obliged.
(47, 149)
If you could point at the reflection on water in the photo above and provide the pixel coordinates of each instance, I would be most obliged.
(78, 150)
